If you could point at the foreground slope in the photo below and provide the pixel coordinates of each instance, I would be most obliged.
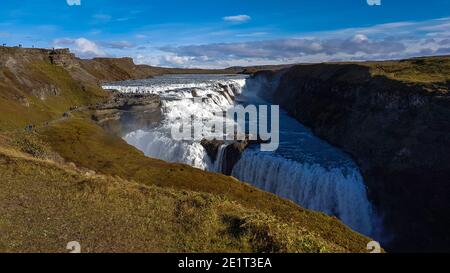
(45, 205)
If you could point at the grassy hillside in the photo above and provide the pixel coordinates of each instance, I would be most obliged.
(45, 205)
(33, 90)
(87, 145)
(144, 206)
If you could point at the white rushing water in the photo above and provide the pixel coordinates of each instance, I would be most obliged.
(304, 169)
(177, 94)
(336, 191)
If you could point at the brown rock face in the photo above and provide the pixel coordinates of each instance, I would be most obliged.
(128, 112)
(63, 58)
(232, 153)
(398, 132)
(212, 147)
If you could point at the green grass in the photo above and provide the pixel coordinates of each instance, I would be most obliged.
(424, 70)
(44, 205)
(418, 70)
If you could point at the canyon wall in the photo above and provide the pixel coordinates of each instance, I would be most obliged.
(394, 119)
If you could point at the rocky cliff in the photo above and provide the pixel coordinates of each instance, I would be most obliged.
(125, 113)
(394, 119)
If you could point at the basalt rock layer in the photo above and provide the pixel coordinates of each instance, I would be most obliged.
(126, 113)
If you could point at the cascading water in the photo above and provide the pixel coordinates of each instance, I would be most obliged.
(218, 164)
(336, 191)
(182, 96)
(304, 169)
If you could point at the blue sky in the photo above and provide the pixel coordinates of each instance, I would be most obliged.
(226, 33)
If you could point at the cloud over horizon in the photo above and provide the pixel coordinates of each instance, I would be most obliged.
(82, 47)
(384, 41)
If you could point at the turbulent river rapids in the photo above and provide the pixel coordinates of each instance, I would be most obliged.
(304, 168)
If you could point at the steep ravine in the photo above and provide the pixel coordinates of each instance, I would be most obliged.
(396, 126)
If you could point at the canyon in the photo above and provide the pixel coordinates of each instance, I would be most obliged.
(391, 118)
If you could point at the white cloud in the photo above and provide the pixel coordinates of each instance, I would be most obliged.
(289, 48)
(83, 47)
(237, 18)
(252, 34)
(360, 38)
(175, 60)
(73, 2)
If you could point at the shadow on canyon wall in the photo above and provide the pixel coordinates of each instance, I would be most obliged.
(398, 130)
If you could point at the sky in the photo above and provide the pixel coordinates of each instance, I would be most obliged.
(216, 33)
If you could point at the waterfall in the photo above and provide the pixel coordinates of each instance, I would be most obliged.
(181, 96)
(305, 170)
(218, 164)
(156, 144)
(338, 191)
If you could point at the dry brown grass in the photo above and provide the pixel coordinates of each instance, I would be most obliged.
(44, 205)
